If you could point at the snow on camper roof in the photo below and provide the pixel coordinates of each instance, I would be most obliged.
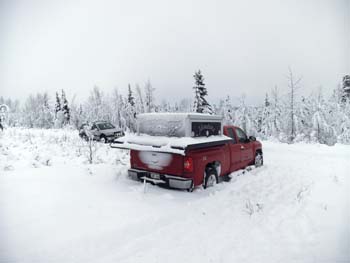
(171, 124)
(179, 115)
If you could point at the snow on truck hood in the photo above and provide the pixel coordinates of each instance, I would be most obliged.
(162, 144)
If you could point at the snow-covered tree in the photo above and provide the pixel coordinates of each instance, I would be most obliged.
(311, 118)
(265, 119)
(166, 107)
(335, 110)
(96, 105)
(339, 115)
(57, 105)
(130, 111)
(243, 118)
(37, 112)
(131, 99)
(116, 107)
(303, 121)
(149, 97)
(77, 113)
(344, 131)
(226, 110)
(293, 86)
(45, 119)
(65, 109)
(139, 100)
(29, 112)
(200, 103)
(346, 88)
(12, 112)
(276, 113)
(185, 105)
(321, 131)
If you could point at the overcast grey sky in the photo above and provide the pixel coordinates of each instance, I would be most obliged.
(240, 46)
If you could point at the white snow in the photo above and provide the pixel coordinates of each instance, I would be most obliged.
(155, 160)
(176, 145)
(56, 207)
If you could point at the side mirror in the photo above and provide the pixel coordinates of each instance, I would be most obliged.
(252, 138)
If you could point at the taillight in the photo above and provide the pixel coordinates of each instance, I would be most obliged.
(188, 164)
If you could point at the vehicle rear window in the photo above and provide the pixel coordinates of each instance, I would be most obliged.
(200, 129)
(165, 125)
(177, 125)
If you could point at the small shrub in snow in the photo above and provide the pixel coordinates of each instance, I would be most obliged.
(249, 208)
(8, 167)
(35, 164)
(46, 162)
(91, 148)
(259, 207)
(302, 192)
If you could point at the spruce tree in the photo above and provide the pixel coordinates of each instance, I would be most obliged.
(265, 120)
(293, 85)
(57, 105)
(65, 108)
(200, 103)
(267, 102)
(46, 118)
(130, 111)
(131, 98)
(346, 88)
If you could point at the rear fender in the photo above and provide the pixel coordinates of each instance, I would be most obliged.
(200, 179)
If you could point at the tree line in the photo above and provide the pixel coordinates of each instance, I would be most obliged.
(290, 117)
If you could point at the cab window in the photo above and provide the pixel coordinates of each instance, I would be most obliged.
(242, 137)
(231, 134)
(105, 126)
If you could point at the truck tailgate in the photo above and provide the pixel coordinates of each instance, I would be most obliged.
(158, 162)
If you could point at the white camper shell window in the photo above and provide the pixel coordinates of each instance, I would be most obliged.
(179, 124)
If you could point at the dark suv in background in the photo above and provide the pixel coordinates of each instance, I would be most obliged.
(102, 131)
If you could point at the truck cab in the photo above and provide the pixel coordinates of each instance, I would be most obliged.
(243, 149)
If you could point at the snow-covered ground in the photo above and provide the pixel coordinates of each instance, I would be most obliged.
(57, 207)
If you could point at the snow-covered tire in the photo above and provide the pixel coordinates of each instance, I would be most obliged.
(259, 159)
(84, 137)
(103, 139)
(211, 177)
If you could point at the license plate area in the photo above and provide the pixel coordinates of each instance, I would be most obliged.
(155, 176)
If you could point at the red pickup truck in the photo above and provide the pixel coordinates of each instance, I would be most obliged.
(187, 150)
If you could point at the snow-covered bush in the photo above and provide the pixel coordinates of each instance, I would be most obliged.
(312, 118)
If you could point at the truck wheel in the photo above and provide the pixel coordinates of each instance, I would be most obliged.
(211, 177)
(84, 137)
(259, 160)
(103, 139)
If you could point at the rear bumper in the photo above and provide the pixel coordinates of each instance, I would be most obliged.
(163, 179)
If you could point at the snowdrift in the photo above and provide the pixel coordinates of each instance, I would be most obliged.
(294, 209)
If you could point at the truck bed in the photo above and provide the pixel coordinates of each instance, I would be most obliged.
(167, 144)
